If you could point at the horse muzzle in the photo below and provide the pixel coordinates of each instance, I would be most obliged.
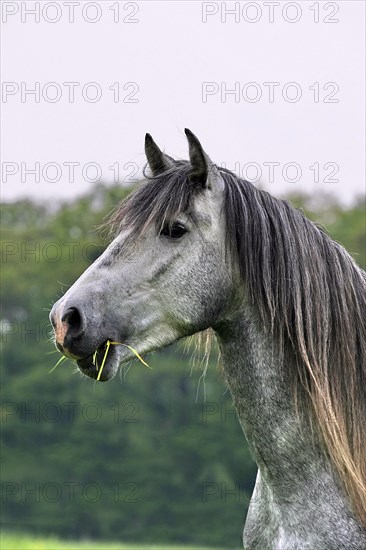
(79, 336)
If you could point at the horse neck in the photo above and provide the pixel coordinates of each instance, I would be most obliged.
(292, 463)
(284, 446)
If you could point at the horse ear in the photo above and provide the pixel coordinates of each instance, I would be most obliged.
(200, 161)
(157, 160)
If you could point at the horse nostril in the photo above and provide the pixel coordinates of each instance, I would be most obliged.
(73, 319)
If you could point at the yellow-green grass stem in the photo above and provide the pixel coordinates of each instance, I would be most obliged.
(109, 343)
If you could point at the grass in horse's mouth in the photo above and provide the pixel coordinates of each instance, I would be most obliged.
(99, 350)
(107, 344)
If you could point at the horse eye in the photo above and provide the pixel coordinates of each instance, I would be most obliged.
(174, 231)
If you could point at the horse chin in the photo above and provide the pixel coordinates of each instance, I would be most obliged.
(103, 359)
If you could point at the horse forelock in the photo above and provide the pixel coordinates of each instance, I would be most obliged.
(158, 200)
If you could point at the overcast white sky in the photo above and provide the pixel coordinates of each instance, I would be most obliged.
(172, 64)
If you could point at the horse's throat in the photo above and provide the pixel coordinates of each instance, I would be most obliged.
(262, 387)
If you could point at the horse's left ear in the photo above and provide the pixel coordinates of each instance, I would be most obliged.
(200, 161)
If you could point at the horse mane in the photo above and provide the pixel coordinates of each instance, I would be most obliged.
(308, 291)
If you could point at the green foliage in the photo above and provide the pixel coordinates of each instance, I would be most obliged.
(345, 225)
(134, 460)
(18, 542)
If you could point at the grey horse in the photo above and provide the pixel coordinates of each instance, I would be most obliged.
(196, 247)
